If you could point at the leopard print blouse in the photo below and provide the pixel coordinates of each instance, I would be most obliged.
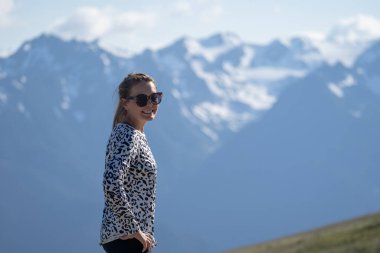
(129, 185)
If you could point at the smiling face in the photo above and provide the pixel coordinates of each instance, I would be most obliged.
(137, 116)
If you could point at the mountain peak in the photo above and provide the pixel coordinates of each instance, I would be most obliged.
(355, 30)
(53, 40)
(221, 39)
(50, 52)
(208, 48)
(302, 45)
(371, 55)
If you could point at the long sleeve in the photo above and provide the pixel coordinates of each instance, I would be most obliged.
(129, 185)
(121, 153)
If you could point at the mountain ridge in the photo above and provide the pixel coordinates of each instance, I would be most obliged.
(56, 117)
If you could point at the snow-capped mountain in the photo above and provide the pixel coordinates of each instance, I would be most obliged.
(347, 39)
(222, 83)
(243, 80)
(310, 160)
(57, 99)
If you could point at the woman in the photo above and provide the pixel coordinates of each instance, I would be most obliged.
(129, 181)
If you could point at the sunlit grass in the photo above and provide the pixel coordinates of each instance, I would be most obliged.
(361, 235)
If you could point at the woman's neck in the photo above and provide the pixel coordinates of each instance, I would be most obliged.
(136, 125)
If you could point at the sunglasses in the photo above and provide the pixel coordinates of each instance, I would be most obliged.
(142, 99)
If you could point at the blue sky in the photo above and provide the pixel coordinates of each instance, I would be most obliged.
(135, 25)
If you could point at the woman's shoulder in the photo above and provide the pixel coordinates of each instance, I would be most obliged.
(120, 127)
(121, 131)
(124, 129)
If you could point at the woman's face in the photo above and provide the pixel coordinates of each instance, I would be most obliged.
(136, 114)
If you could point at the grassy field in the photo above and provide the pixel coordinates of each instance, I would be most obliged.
(360, 235)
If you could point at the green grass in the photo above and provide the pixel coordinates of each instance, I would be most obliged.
(361, 235)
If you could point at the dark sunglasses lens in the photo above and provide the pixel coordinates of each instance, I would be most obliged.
(141, 100)
(156, 98)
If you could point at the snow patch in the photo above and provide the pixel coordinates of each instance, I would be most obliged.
(195, 48)
(211, 134)
(3, 97)
(246, 60)
(105, 59)
(187, 114)
(21, 108)
(272, 74)
(65, 103)
(262, 74)
(348, 82)
(23, 79)
(220, 115)
(27, 47)
(176, 94)
(338, 88)
(17, 84)
(313, 59)
(347, 40)
(257, 97)
(208, 112)
(355, 30)
(210, 79)
(334, 52)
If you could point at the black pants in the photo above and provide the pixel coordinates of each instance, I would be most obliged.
(124, 246)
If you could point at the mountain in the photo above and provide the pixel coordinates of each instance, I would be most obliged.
(310, 160)
(56, 112)
(57, 100)
(50, 174)
(347, 40)
(368, 65)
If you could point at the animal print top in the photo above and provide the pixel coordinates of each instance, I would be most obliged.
(129, 185)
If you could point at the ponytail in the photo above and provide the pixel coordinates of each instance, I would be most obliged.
(120, 114)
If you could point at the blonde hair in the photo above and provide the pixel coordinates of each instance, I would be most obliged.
(124, 91)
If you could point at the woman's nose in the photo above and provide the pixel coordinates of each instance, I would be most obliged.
(150, 103)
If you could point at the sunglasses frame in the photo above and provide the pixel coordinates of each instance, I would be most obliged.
(160, 95)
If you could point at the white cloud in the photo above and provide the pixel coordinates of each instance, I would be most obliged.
(133, 19)
(205, 10)
(314, 35)
(183, 8)
(6, 6)
(89, 23)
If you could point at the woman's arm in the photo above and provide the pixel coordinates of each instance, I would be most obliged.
(121, 152)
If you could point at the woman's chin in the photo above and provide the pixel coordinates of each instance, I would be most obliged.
(149, 117)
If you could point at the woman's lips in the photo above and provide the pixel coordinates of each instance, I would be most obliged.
(148, 112)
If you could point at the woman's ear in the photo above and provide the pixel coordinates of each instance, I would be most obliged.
(124, 103)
